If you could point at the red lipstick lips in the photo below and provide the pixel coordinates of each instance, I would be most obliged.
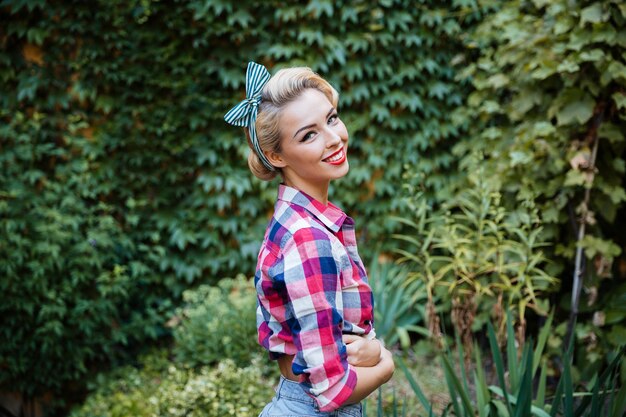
(336, 158)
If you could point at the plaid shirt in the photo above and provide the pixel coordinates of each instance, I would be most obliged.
(312, 287)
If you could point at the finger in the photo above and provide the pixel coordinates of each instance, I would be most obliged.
(351, 349)
(349, 338)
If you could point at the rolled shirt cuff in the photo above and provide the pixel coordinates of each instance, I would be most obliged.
(336, 395)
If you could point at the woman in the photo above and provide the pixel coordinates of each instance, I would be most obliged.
(315, 307)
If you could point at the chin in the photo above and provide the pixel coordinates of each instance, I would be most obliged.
(343, 172)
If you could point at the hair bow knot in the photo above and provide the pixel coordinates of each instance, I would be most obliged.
(244, 114)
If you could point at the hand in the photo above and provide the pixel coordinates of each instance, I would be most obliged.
(361, 351)
(386, 359)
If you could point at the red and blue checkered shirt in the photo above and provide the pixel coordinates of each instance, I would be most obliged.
(312, 288)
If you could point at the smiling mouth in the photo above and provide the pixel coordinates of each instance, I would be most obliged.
(337, 158)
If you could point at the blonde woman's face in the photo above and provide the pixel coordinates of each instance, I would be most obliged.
(314, 144)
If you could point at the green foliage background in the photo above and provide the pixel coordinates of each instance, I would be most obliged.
(550, 86)
(121, 186)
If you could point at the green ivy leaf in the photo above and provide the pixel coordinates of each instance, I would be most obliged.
(573, 106)
(594, 246)
(592, 14)
(620, 100)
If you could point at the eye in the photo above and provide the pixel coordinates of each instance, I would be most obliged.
(333, 118)
(307, 136)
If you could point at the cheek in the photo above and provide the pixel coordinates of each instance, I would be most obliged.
(342, 131)
(313, 152)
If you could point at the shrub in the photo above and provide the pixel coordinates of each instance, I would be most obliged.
(214, 367)
(217, 322)
(225, 390)
(161, 388)
(126, 391)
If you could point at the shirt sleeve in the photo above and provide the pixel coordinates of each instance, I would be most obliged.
(312, 282)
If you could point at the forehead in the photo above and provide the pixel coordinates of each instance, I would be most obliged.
(311, 106)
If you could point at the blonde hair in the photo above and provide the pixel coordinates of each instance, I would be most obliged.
(284, 87)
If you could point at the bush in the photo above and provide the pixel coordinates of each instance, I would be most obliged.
(214, 368)
(126, 391)
(214, 392)
(217, 322)
(161, 388)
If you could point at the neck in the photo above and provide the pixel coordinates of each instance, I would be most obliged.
(317, 191)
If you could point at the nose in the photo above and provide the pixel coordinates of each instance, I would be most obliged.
(332, 139)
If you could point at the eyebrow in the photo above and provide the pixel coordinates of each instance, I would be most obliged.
(332, 109)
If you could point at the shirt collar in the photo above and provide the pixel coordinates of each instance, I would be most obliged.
(331, 215)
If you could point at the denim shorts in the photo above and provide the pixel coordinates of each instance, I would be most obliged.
(291, 401)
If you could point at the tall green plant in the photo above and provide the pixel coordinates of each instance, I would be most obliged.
(399, 306)
(514, 393)
(482, 254)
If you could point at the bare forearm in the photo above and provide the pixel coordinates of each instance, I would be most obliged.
(371, 377)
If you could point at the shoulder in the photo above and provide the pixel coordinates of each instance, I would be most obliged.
(294, 225)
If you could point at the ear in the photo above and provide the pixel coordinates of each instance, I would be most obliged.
(275, 159)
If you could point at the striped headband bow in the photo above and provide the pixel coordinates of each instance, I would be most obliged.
(244, 113)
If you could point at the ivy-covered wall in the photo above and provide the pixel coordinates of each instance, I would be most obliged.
(121, 185)
(548, 117)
